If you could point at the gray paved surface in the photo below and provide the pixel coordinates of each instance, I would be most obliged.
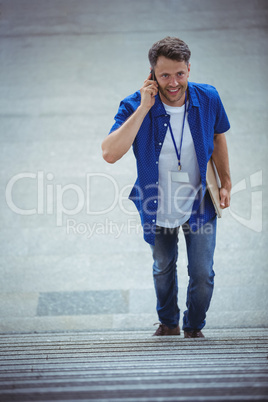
(65, 65)
(228, 365)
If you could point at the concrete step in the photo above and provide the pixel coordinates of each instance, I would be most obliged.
(134, 366)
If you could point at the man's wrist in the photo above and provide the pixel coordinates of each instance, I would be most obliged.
(142, 110)
(227, 184)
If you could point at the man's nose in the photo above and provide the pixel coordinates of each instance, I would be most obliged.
(174, 81)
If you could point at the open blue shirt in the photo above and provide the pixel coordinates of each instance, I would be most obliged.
(206, 117)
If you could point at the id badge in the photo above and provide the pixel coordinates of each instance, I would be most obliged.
(180, 177)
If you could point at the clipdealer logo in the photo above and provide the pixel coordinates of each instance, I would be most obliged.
(253, 189)
(50, 197)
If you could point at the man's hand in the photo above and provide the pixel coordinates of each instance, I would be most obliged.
(225, 197)
(148, 92)
(115, 145)
(221, 160)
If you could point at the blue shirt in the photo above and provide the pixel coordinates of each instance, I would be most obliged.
(206, 117)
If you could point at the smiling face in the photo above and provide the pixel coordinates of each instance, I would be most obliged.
(172, 77)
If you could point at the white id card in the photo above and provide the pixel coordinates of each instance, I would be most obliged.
(180, 177)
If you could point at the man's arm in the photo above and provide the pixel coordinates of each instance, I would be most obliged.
(221, 160)
(116, 144)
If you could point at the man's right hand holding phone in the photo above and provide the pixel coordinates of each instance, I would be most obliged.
(148, 92)
(119, 141)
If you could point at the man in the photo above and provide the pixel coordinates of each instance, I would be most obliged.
(175, 126)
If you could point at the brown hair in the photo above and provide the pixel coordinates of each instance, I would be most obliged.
(171, 48)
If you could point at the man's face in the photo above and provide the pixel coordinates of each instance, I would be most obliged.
(172, 77)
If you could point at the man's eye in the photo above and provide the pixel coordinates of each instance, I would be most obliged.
(165, 75)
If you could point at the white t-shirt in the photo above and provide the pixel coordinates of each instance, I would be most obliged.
(175, 199)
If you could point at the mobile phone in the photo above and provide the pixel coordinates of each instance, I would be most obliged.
(153, 74)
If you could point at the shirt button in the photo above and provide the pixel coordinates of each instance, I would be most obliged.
(160, 143)
(156, 162)
(156, 182)
(165, 124)
(155, 201)
(153, 220)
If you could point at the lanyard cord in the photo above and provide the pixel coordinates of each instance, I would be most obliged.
(178, 152)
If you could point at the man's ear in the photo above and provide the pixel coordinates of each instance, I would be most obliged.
(189, 68)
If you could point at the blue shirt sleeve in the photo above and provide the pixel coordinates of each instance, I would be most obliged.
(222, 123)
(126, 108)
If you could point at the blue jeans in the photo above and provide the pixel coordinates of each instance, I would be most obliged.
(200, 251)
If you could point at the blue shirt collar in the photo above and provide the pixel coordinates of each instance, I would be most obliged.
(194, 101)
(158, 109)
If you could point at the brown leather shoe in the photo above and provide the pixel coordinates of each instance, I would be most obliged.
(196, 333)
(163, 330)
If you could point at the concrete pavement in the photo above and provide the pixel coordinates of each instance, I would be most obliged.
(72, 253)
(134, 367)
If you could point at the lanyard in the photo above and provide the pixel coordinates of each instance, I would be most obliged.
(178, 152)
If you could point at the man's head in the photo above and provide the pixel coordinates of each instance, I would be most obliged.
(169, 60)
(171, 48)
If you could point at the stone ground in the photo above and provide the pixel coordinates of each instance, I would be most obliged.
(72, 253)
(135, 366)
